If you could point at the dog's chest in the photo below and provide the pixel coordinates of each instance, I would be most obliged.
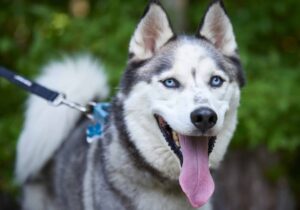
(131, 190)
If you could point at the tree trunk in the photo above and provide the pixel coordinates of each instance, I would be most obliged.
(177, 11)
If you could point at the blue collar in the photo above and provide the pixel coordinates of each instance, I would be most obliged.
(100, 116)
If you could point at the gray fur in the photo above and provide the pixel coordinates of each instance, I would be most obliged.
(76, 161)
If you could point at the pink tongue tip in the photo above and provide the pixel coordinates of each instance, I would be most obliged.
(195, 178)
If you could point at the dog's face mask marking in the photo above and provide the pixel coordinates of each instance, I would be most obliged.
(194, 94)
(180, 94)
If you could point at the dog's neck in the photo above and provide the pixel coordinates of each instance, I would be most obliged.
(127, 169)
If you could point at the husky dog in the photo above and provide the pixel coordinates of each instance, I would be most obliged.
(170, 123)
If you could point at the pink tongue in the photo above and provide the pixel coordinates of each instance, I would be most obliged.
(195, 178)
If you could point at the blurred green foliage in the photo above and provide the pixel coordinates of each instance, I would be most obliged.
(34, 32)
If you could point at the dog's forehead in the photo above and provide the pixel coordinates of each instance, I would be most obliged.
(194, 54)
(191, 48)
(186, 52)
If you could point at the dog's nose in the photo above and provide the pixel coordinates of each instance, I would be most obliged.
(204, 118)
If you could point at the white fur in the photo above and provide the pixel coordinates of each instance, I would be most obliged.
(82, 80)
(151, 34)
(228, 129)
(144, 130)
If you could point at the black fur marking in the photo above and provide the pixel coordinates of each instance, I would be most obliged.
(240, 73)
(130, 55)
(134, 154)
(211, 144)
(222, 66)
(199, 36)
(167, 133)
(130, 77)
(194, 75)
(160, 67)
(155, 2)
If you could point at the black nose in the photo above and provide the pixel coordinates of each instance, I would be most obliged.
(204, 118)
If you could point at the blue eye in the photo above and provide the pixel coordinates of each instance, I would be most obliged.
(216, 81)
(171, 83)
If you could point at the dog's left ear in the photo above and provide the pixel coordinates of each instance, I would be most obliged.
(153, 32)
(216, 27)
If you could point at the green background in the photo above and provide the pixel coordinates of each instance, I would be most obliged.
(36, 31)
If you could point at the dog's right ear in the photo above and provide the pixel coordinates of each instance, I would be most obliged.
(153, 32)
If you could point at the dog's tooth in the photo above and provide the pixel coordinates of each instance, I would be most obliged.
(173, 135)
(175, 138)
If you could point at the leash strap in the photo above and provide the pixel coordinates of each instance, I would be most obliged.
(28, 85)
(97, 112)
(55, 98)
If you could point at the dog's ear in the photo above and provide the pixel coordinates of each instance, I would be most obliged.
(153, 31)
(216, 27)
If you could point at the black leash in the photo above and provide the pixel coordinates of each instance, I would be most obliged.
(97, 112)
(28, 85)
(53, 97)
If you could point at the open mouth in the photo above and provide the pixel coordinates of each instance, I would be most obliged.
(172, 138)
(193, 152)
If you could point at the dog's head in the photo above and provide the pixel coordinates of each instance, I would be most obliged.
(180, 96)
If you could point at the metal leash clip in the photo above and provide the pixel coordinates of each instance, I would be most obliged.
(61, 99)
(98, 113)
